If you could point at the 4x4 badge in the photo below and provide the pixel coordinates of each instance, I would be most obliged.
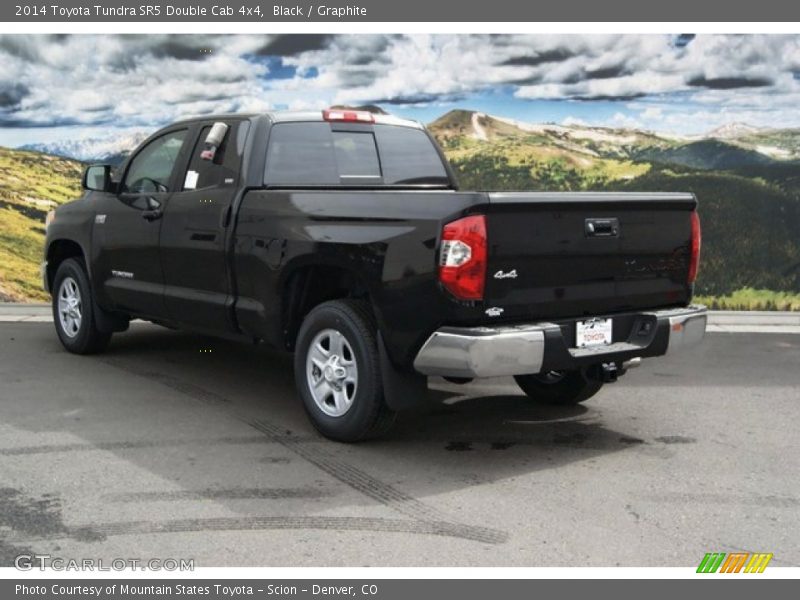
(512, 274)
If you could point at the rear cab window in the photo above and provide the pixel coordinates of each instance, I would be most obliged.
(334, 154)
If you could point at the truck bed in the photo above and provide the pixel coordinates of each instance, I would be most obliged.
(542, 264)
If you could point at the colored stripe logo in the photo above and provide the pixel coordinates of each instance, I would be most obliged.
(736, 562)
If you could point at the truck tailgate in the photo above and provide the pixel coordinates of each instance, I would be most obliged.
(573, 254)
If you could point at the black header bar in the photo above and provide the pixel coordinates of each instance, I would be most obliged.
(443, 11)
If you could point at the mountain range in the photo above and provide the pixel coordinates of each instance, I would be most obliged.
(738, 143)
(730, 146)
(110, 148)
(747, 180)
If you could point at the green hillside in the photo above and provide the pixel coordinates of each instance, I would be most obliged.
(750, 228)
(706, 154)
(30, 184)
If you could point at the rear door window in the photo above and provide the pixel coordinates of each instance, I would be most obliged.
(224, 168)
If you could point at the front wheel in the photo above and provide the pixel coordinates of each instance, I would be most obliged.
(73, 310)
(561, 388)
(337, 372)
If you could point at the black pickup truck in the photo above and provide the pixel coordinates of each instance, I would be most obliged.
(342, 236)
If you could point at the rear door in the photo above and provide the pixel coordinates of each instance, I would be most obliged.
(557, 255)
(194, 234)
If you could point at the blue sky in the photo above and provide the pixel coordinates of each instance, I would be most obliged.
(88, 86)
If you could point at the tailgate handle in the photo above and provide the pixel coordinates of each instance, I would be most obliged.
(606, 227)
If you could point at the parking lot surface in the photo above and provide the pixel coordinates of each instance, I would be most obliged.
(172, 445)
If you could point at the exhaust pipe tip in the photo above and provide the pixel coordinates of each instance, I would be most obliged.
(632, 364)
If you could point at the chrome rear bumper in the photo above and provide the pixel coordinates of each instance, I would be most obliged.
(686, 327)
(524, 349)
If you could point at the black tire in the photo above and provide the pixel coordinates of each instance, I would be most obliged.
(559, 388)
(82, 338)
(366, 415)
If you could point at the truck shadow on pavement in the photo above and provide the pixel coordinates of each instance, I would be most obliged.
(457, 418)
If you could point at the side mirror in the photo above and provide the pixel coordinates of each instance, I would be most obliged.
(97, 178)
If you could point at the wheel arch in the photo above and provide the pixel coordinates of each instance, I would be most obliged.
(62, 249)
(58, 251)
(303, 289)
(311, 284)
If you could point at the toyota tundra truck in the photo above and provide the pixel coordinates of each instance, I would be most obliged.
(342, 236)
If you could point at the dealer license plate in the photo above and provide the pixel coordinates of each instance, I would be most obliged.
(595, 332)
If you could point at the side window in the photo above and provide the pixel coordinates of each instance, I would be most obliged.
(225, 167)
(151, 168)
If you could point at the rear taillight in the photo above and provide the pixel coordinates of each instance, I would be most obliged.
(462, 261)
(348, 116)
(694, 256)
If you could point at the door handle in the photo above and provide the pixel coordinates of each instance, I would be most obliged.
(608, 227)
(153, 210)
(152, 215)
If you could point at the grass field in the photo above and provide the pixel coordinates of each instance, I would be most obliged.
(752, 299)
(30, 184)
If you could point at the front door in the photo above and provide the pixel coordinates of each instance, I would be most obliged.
(127, 228)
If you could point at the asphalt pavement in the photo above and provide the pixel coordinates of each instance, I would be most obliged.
(173, 445)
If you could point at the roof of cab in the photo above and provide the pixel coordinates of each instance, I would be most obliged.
(287, 116)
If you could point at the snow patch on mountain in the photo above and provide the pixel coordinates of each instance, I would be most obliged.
(733, 130)
(774, 152)
(573, 129)
(479, 131)
(111, 146)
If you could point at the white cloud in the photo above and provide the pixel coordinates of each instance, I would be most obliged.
(148, 80)
(653, 113)
(625, 121)
(574, 122)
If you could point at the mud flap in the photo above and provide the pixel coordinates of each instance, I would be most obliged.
(402, 391)
(107, 322)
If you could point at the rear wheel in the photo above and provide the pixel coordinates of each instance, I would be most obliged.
(337, 372)
(561, 388)
(73, 310)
